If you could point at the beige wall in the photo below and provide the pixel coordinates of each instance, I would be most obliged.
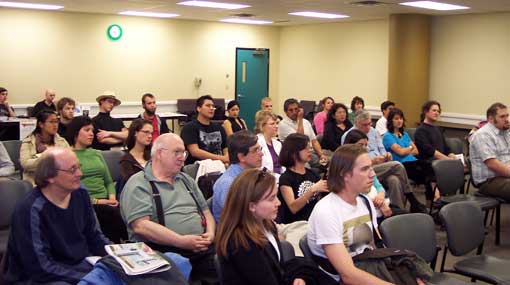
(71, 53)
(470, 62)
(341, 60)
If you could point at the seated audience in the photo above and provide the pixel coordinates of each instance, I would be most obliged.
(109, 132)
(233, 123)
(334, 128)
(340, 225)
(65, 109)
(429, 139)
(325, 105)
(357, 103)
(300, 188)
(159, 125)
(245, 153)
(380, 126)
(266, 128)
(179, 219)
(490, 153)
(53, 227)
(96, 179)
(402, 149)
(247, 241)
(44, 136)
(391, 173)
(204, 139)
(46, 104)
(6, 165)
(5, 109)
(138, 144)
(294, 122)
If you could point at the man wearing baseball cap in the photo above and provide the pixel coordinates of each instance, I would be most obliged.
(109, 131)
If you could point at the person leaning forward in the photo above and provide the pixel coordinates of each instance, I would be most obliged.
(184, 224)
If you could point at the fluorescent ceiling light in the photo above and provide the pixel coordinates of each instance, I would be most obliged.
(30, 5)
(434, 5)
(208, 4)
(318, 15)
(246, 21)
(149, 14)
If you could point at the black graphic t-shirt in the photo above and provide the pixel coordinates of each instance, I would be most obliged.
(211, 138)
(300, 183)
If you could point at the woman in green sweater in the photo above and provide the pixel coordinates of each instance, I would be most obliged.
(96, 178)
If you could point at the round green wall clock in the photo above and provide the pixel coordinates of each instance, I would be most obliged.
(114, 32)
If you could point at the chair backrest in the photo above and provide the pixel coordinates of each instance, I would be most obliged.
(303, 245)
(187, 107)
(191, 170)
(288, 252)
(414, 232)
(308, 106)
(112, 158)
(456, 145)
(219, 112)
(464, 226)
(12, 148)
(410, 132)
(10, 192)
(449, 176)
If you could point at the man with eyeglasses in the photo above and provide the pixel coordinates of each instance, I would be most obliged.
(109, 132)
(204, 139)
(244, 153)
(392, 174)
(164, 207)
(53, 227)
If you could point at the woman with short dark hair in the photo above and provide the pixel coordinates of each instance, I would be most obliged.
(335, 127)
(96, 178)
(300, 188)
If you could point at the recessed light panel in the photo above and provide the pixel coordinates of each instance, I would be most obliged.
(30, 5)
(209, 4)
(149, 14)
(318, 15)
(434, 5)
(246, 21)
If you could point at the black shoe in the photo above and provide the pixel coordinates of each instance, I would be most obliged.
(418, 207)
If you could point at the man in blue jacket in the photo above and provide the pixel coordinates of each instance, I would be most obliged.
(53, 227)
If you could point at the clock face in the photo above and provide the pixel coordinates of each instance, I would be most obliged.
(114, 32)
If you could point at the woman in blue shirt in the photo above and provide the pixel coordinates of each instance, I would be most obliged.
(402, 149)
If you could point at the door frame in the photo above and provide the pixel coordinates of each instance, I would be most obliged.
(268, 62)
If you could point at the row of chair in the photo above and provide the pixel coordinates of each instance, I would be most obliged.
(465, 232)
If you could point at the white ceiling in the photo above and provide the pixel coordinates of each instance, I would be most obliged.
(274, 10)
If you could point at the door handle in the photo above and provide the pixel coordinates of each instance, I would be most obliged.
(240, 95)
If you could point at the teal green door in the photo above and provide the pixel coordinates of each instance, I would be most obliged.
(252, 81)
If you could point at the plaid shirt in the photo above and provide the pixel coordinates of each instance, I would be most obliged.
(488, 142)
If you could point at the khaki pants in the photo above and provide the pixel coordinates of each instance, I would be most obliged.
(497, 187)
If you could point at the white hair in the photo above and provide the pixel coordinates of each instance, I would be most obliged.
(162, 142)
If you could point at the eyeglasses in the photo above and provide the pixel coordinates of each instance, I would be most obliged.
(146, 132)
(256, 150)
(262, 174)
(178, 153)
(71, 170)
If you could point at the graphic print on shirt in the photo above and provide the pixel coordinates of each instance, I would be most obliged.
(211, 141)
(304, 187)
(357, 234)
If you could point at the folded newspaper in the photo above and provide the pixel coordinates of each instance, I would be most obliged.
(137, 258)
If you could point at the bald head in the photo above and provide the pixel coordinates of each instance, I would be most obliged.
(49, 95)
(53, 159)
(164, 141)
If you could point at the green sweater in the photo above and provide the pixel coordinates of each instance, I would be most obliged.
(96, 176)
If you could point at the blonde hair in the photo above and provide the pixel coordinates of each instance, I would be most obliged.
(261, 119)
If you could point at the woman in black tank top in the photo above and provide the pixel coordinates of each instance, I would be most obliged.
(233, 123)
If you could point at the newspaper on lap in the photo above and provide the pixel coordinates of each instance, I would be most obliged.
(137, 258)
